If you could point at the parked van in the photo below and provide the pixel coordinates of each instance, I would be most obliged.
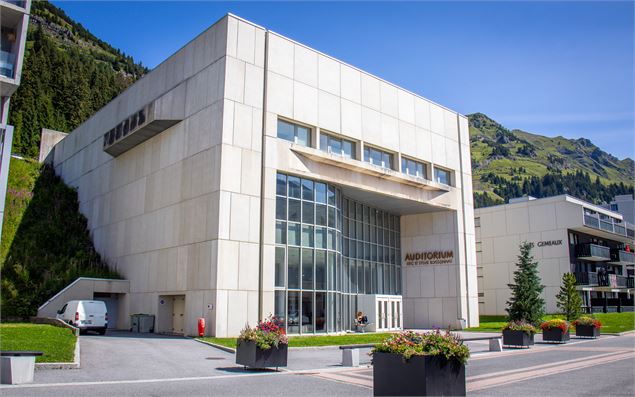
(85, 315)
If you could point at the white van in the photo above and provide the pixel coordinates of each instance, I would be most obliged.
(85, 315)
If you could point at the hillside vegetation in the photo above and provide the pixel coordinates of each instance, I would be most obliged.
(511, 163)
(68, 75)
(45, 240)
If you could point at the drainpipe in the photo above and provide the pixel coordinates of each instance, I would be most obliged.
(465, 248)
(263, 148)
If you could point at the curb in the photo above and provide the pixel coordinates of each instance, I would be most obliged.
(74, 365)
(220, 347)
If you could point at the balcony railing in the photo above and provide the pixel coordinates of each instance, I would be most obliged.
(590, 220)
(593, 279)
(592, 252)
(586, 278)
(19, 3)
(617, 281)
(609, 224)
(7, 64)
(621, 257)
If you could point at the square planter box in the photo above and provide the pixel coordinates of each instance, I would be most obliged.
(587, 331)
(419, 376)
(555, 335)
(250, 355)
(517, 338)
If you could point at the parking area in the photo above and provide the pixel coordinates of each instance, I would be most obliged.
(123, 363)
(132, 356)
(124, 356)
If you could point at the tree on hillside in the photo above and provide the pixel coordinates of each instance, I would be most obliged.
(526, 304)
(568, 299)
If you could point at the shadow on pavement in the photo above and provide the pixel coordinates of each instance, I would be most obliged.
(137, 335)
(240, 369)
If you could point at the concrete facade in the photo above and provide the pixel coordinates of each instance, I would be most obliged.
(191, 210)
(625, 205)
(559, 227)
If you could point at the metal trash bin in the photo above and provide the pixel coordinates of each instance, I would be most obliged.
(142, 323)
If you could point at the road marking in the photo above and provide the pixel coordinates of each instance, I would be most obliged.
(540, 366)
(364, 378)
(135, 381)
(522, 374)
(355, 376)
(186, 379)
(545, 347)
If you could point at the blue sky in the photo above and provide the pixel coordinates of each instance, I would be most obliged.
(551, 68)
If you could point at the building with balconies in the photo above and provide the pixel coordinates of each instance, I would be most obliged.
(14, 21)
(250, 175)
(568, 235)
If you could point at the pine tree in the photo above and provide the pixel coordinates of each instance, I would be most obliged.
(569, 300)
(526, 304)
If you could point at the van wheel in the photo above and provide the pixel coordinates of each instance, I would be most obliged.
(102, 331)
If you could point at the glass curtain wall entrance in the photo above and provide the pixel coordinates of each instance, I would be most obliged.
(329, 249)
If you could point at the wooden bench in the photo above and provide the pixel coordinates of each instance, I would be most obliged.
(17, 366)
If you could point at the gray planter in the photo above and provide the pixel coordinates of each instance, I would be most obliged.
(555, 335)
(250, 355)
(587, 331)
(513, 338)
(418, 376)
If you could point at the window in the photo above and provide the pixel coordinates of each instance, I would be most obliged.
(377, 157)
(341, 147)
(442, 176)
(294, 133)
(477, 221)
(413, 168)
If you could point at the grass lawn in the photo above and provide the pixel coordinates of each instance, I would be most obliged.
(58, 344)
(611, 322)
(306, 341)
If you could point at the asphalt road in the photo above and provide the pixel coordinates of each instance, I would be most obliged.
(125, 364)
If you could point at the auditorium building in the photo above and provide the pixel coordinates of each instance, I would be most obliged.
(250, 175)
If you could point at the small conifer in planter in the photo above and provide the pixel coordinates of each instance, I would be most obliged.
(420, 364)
(587, 327)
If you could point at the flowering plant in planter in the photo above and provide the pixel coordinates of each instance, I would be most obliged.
(555, 324)
(410, 343)
(266, 334)
(520, 326)
(587, 322)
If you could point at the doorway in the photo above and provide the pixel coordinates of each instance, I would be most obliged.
(178, 314)
(112, 306)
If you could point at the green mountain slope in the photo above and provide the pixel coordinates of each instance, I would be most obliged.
(68, 75)
(509, 163)
(45, 240)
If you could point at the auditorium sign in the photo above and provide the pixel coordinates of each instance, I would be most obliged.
(429, 258)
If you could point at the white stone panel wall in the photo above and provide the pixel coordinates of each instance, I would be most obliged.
(153, 211)
(504, 227)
